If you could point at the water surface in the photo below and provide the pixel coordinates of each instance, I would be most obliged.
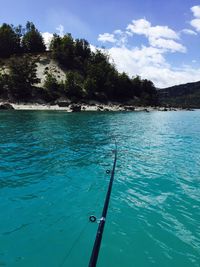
(53, 177)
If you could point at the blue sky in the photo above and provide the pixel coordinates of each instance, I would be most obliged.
(157, 39)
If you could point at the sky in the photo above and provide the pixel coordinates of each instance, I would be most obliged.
(156, 39)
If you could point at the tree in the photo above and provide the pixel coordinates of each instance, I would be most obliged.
(98, 69)
(51, 83)
(82, 54)
(9, 41)
(137, 84)
(23, 76)
(4, 83)
(150, 94)
(32, 40)
(73, 85)
(52, 86)
(63, 50)
(90, 87)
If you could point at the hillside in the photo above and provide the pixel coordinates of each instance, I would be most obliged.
(44, 63)
(69, 69)
(184, 95)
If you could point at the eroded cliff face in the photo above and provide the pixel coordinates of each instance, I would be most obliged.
(45, 64)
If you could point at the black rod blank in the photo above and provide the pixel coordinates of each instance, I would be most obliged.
(97, 243)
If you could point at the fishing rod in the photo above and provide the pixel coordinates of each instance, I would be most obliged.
(97, 243)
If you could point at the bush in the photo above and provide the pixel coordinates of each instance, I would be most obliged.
(23, 76)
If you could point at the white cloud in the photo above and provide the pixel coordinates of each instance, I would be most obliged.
(188, 31)
(93, 48)
(47, 38)
(143, 27)
(118, 32)
(107, 37)
(130, 60)
(150, 63)
(196, 24)
(60, 30)
(158, 36)
(196, 11)
(167, 44)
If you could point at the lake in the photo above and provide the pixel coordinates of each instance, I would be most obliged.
(53, 177)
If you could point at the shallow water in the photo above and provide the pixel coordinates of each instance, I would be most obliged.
(53, 177)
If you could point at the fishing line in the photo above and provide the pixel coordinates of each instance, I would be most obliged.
(102, 219)
(68, 253)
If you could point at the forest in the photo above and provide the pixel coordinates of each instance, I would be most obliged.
(88, 74)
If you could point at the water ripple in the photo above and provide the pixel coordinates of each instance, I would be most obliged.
(53, 177)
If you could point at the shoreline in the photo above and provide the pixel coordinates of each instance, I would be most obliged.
(81, 107)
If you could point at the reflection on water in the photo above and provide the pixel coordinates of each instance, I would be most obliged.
(52, 177)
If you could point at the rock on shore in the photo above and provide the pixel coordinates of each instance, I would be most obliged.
(6, 106)
(77, 107)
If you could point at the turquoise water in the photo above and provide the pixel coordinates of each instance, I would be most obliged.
(53, 177)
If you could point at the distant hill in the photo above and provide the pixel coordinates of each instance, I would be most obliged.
(184, 95)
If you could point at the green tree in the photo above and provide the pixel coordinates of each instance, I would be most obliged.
(32, 40)
(4, 84)
(124, 88)
(9, 41)
(73, 85)
(63, 50)
(149, 95)
(137, 84)
(82, 54)
(98, 69)
(52, 86)
(90, 87)
(51, 83)
(23, 76)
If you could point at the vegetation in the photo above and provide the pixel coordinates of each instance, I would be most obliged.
(9, 41)
(89, 75)
(22, 77)
(32, 40)
(184, 95)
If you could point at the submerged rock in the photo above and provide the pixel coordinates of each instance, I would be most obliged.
(6, 106)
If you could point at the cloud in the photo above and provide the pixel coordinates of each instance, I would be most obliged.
(47, 38)
(143, 27)
(118, 32)
(195, 23)
(130, 60)
(158, 36)
(107, 37)
(196, 11)
(150, 63)
(60, 30)
(93, 48)
(189, 32)
(167, 44)
(71, 22)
